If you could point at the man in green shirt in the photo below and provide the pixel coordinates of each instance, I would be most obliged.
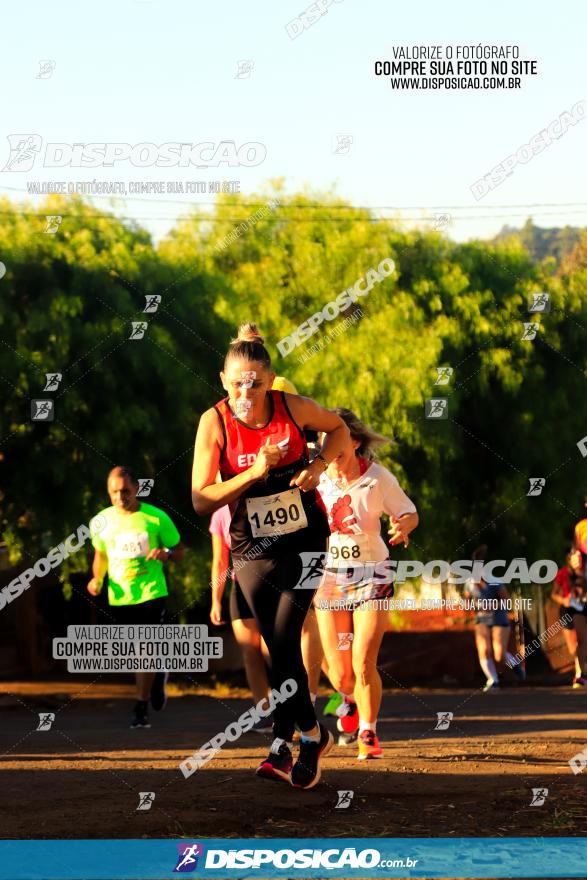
(132, 547)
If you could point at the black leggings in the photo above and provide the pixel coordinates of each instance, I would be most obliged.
(280, 612)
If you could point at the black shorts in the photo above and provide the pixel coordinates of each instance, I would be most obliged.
(143, 614)
(238, 605)
(568, 624)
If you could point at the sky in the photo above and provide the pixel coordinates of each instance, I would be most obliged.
(160, 71)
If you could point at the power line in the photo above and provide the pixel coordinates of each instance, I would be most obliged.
(208, 218)
(329, 207)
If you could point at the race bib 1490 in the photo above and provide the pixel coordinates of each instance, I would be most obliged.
(276, 514)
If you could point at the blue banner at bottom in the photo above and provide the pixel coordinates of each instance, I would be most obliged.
(468, 857)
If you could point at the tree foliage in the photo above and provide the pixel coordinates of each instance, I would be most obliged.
(542, 242)
(514, 404)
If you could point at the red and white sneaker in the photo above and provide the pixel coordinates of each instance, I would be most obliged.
(278, 763)
(348, 717)
(369, 747)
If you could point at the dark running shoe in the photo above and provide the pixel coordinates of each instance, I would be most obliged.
(278, 763)
(140, 715)
(347, 739)
(491, 686)
(158, 691)
(306, 771)
(263, 725)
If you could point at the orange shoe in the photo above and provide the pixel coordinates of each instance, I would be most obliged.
(369, 747)
(348, 717)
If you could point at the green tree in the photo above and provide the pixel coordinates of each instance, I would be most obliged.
(68, 303)
(514, 410)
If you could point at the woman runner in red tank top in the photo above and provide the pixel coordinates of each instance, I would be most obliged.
(569, 592)
(255, 438)
(278, 526)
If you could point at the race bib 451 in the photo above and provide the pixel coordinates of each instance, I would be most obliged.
(131, 545)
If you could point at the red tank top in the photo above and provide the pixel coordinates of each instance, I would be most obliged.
(281, 519)
(566, 580)
(242, 442)
(563, 580)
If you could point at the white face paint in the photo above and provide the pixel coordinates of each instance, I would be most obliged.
(247, 378)
(243, 406)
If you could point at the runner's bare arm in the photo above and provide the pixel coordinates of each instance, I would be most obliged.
(178, 553)
(163, 554)
(503, 593)
(220, 564)
(99, 569)
(207, 494)
(400, 528)
(309, 414)
(557, 595)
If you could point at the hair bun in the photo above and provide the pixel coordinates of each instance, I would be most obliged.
(248, 332)
(248, 337)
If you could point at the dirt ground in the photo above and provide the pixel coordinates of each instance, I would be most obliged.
(82, 778)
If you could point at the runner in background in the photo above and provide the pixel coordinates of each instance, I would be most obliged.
(580, 540)
(492, 627)
(569, 592)
(357, 491)
(244, 625)
(312, 651)
(255, 437)
(132, 548)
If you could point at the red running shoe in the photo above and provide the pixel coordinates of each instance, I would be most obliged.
(348, 717)
(369, 746)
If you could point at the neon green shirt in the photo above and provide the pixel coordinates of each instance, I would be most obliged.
(126, 539)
